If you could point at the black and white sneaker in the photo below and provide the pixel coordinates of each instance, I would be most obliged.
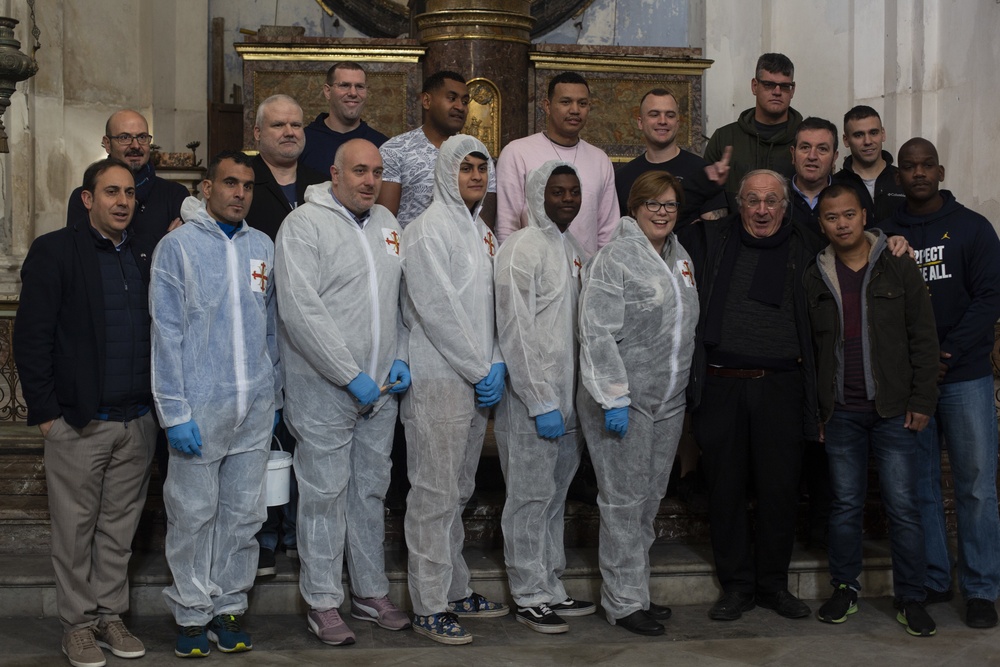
(541, 619)
(571, 607)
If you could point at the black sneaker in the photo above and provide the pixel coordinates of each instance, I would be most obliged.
(841, 604)
(541, 619)
(731, 606)
(980, 613)
(916, 619)
(784, 604)
(571, 607)
(265, 563)
(935, 596)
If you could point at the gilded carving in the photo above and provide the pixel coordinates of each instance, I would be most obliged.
(483, 121)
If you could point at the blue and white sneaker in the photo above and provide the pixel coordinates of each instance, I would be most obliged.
(225, 632)
(442, 628)
(476, 606)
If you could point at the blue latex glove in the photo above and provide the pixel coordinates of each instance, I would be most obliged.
(399, 371)
(550, 425)
(277, 420)
(364, 389)
(185, 438)
(616, 420)
(489, 390)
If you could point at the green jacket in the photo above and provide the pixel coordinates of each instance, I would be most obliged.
(899, 337)
(751, 151)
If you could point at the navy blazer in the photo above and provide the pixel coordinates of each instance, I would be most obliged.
(59, 345)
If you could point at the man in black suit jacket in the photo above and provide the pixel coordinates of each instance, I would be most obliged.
(82, 348)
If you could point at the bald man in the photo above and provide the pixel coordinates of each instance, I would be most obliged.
(345, 367)
(157, 200)
(959, 255)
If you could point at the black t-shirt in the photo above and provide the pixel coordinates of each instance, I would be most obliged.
(700, 194)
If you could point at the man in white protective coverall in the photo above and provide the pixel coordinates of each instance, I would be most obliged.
(217, 386)
(537, 286)
(457, 375)
(337, 270)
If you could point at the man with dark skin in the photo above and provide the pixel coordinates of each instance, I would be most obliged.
(567, 107)
(958, 253)
(540, 443)
(408, 179)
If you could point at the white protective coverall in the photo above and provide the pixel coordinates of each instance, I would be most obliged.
(215, 361)
(448, 308)
(638, 312)
(537, 286)
(338, 296)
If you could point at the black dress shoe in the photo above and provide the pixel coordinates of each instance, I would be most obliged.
(731, 606)
(658, 612)
(979, 613)
(640, 623)
(784, 604)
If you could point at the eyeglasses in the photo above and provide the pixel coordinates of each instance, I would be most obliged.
(769, 86)
(124, 139)
(343, 86)
(770, 203)
(655, 206)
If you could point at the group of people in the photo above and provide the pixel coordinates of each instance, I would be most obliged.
(340, 280)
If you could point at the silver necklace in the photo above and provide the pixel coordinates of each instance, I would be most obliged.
(576, 147)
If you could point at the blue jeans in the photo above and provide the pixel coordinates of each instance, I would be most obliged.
(849, 435)
(966, 421)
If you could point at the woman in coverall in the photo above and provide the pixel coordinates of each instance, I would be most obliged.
(638, 312)
(457, 374)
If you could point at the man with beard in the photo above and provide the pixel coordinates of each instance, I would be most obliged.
(566, 109)
(157, 200)
(408, 158)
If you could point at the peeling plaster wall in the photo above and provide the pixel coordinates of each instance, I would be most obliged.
(252, 14)
(928, 66)
(98, 56)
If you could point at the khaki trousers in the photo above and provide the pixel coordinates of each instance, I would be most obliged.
(97, 478)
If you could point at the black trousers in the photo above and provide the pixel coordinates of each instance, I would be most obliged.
(750, 435)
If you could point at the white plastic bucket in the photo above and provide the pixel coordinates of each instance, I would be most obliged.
(279, 473)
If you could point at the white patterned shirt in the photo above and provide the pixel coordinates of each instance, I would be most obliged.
(408, 159)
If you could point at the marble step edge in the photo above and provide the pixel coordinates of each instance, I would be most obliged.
(680, 574)
(150, 569)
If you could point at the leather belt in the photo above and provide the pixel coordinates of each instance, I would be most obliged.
(738, 373)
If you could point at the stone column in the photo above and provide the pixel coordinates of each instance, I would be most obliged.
(486, 41)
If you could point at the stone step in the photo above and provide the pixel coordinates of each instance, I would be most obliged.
(681, 574)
